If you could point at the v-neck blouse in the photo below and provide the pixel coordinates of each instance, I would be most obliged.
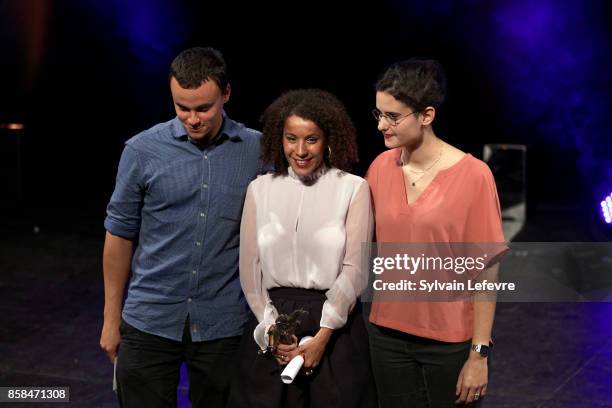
(459, 205)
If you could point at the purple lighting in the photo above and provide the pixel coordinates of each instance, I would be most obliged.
(606, 208)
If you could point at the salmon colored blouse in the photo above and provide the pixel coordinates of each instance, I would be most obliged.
(459, 205)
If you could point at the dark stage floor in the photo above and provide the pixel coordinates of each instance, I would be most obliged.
(545, 354)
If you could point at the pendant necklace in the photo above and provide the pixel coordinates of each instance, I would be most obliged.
(424, 172)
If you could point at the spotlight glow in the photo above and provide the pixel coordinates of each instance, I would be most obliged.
(606, 208)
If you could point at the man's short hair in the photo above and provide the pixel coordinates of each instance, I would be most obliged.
(196, 65)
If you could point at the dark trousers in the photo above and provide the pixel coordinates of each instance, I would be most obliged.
(413, 371)
(148, 369)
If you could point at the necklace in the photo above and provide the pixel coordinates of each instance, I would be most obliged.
(424, 172)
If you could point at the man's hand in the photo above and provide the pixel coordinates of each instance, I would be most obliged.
(116, 268)
(109, 340)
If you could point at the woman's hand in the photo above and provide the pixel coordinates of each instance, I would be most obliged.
(313, 350)
(284, 353)
(472, 382)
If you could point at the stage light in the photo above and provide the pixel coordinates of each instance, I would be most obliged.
(12, 126)
(606, 209)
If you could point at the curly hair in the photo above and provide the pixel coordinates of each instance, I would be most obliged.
(320, 107)
(196, 65)
(418, 83)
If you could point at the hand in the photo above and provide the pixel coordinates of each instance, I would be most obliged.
(284, 353)
(110, 339)
(472, 382)
(313, 350)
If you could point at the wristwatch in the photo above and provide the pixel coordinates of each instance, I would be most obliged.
(482, 349)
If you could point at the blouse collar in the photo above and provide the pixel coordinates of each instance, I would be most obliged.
(310, 178)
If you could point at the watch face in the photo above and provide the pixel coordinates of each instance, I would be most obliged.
(481, 348)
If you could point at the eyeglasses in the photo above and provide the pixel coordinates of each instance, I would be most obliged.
(391, 119)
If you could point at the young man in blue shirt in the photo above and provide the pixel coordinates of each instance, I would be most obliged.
(173, 221)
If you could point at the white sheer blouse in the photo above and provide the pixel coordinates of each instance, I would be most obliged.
(304, 235)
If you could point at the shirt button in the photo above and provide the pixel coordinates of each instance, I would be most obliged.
(198, 243)
(202, 214)
(189, 300)
(204, 185)
(205, 157)
(194, 272)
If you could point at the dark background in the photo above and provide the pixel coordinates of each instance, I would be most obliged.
(84, 76)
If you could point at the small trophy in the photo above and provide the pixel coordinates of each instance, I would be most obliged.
(284, 328)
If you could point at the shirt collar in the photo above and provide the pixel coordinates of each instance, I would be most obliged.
(229, 128)
(399, 156)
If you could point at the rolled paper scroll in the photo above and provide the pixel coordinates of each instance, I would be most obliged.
(294, 366)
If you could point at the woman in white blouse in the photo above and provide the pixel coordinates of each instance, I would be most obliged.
(300, 247)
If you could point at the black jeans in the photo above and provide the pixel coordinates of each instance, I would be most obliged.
(412, 371)
(148, 369)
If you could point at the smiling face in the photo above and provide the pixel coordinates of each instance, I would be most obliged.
(200, 109)
(409, 127)
(304, 145)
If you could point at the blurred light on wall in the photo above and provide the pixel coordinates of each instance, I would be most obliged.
(153, 29)
(553, 58)
(606, 209)
(26, 21)
(547, 62)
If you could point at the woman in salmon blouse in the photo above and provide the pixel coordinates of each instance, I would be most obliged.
(428, 354)
(300, 247)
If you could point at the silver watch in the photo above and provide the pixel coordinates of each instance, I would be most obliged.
(482, 349)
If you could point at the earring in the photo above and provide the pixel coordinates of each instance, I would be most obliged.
(330, 153)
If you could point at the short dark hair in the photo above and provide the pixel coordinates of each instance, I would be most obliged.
(199, 64)
(416, 82)
(320, 107)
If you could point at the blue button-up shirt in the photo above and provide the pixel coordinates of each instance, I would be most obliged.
(183, 207)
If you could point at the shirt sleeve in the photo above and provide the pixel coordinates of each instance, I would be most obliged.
(484, 221)
(251, 273)
(123, 211)
(352, 280)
